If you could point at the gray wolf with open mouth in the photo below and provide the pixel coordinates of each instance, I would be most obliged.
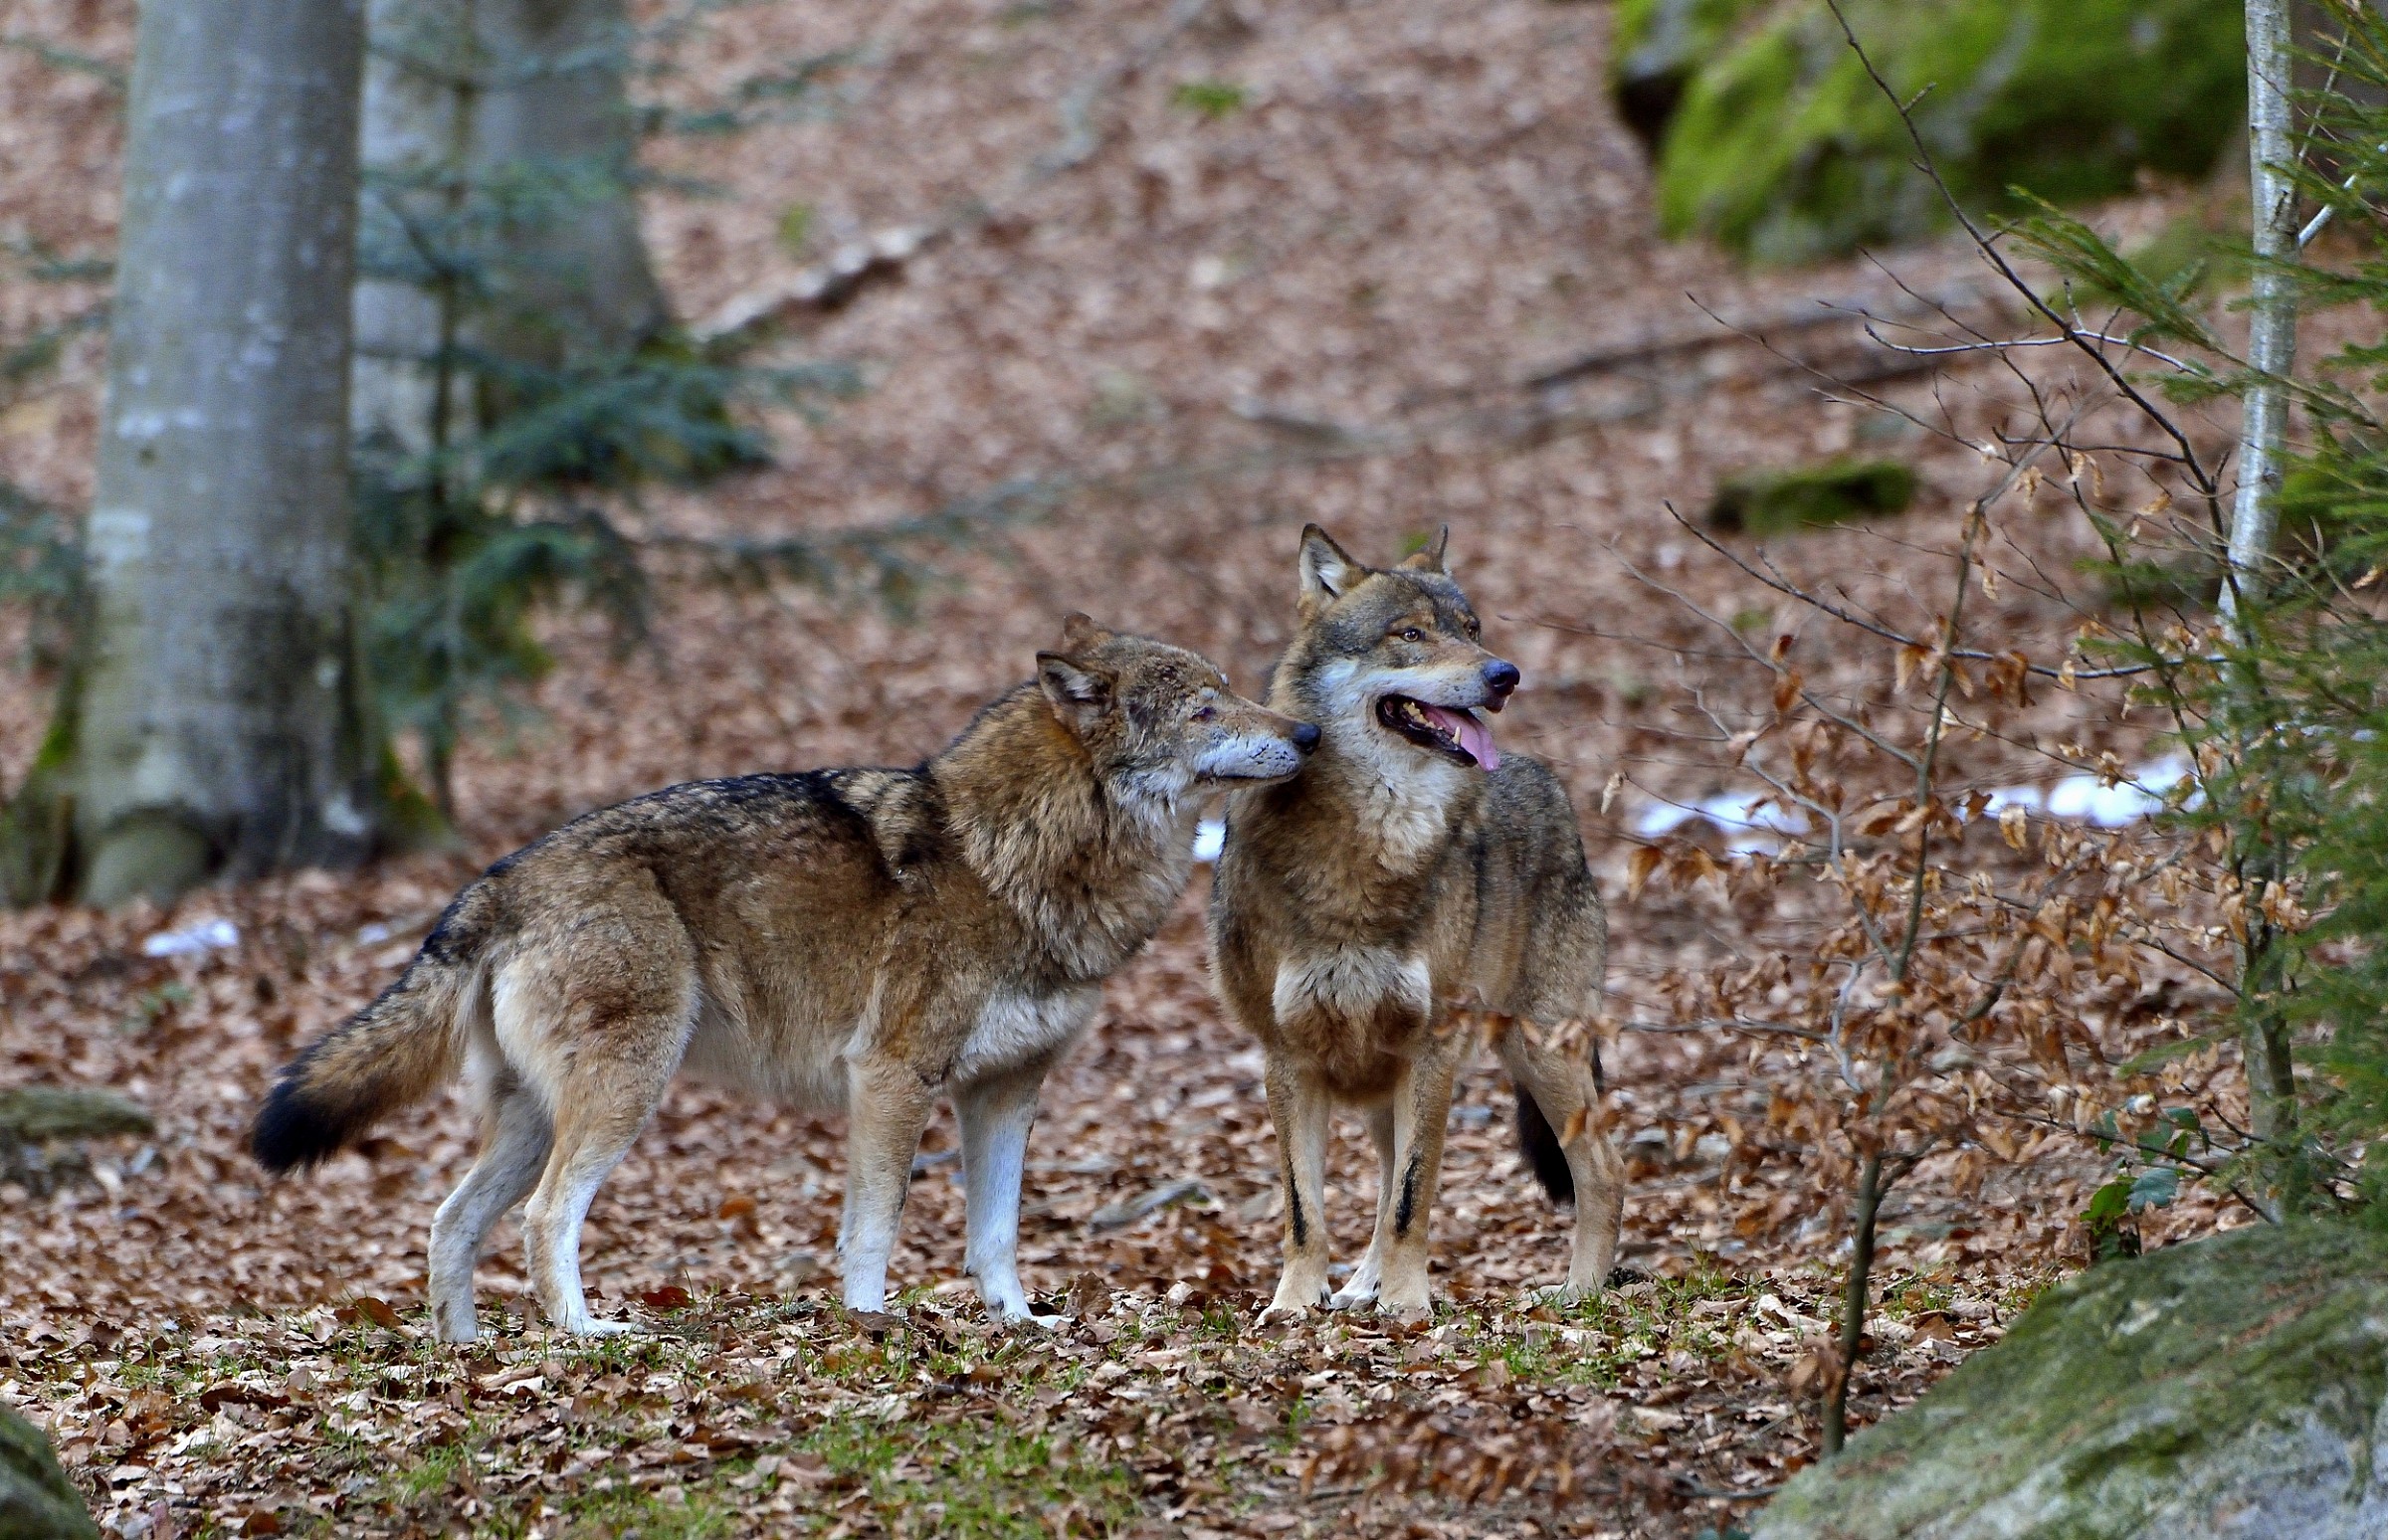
(871, 939)
(1410, 868)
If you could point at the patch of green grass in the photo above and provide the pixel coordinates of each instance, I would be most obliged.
(432, 1471)
(1214, 100)
(987, 1479)
(1914, 1295)
(679, 1513)
(1598, 1341)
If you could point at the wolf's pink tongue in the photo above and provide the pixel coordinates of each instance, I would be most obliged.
(1473, 735)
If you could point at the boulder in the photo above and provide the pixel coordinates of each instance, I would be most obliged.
(2231, 1386)
(1771, 137)
(36, 1501)
(1773, 502)
(42, 1126)
(36, 1114)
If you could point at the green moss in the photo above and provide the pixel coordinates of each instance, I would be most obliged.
(1772, 502)
(1786, 150)
(36, 1501)
(2145, 1398)
(1657, 46)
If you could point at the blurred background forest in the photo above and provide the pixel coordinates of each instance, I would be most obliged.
(680, 388)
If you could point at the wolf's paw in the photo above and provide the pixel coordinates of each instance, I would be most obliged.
(590, 1326)
(1408, 1312)
(1352, 1296)
(1558, 1295)
(1023, 1316)
(1293, 1301)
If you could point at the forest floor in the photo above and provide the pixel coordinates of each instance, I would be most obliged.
(1316, 286)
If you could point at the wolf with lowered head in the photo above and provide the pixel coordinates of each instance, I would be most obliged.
(1412, 869)
(871, 939)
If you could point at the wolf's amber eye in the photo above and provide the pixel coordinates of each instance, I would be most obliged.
(1412, 634)
(1207, 713)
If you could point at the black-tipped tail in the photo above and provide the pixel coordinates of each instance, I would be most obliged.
(1539, 1143)
(394, 1052)
(290, 1133)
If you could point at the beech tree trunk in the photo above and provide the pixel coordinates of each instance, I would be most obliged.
(555, 143)
(420, 91)
(215, 722)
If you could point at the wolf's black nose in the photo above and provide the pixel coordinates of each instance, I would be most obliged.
(1500, 678)
(1305, 736)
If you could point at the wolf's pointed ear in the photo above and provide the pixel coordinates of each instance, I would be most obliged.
(1429, 557)
(1080, 696)
(1328, 571)
(1081, 634)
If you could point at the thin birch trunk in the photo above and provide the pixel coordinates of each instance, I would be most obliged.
(215, 725)
(2272, 331)
(2272, 352)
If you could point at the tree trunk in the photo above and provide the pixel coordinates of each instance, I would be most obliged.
(215, 725)
(556, 146)
(1854, 1301)
(419, 99)
(2272, 327)
(2272, 351)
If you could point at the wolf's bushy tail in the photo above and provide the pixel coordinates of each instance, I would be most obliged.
(396, 1050)
(1539, 1143)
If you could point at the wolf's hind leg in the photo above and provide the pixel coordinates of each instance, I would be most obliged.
(1300, 1108)
(1361, 1287)
(1564, 1088)
(513, 1148)
(591, 1137)
(995, 1114)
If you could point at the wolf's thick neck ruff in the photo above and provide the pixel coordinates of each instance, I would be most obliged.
(1394, 798)
(1089, 862)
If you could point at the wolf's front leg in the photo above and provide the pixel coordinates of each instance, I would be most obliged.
(1299, 1106)
(995, 1114)
(1420, 1111)
(1369, 1276)
(887, 1107)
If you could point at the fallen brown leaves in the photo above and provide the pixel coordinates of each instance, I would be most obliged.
(229, 1349)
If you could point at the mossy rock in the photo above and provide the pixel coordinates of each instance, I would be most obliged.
(1771, 502)
(1784, 150)
(36, 1501)
(2235, 1386)
(1657, 46)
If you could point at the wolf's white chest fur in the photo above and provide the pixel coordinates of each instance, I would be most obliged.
(1351, 983)
(1015, 1029)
